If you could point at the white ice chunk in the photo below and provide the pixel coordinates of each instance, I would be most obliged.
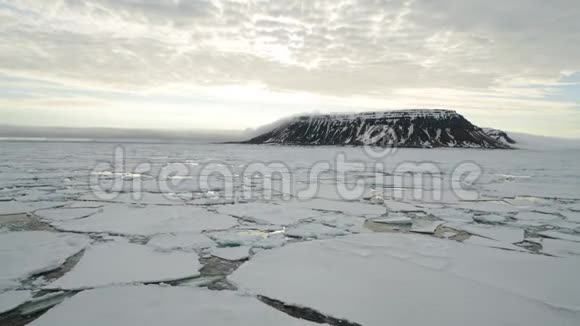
(560, 235)
(499, 233)
(487, 206)
(381, 279)
(425, 226)
(158, 305)
(232, 253)
(150, 220)
(181, 241)
(269, 213)
(235, 238)
(124, 263)
(14, 207)
(560, 248)
(23, 254)
(63, 214)
(490, 219)
(12, 299)
(313, 231)
(345, 207)
(451, 214)
(399, 206)
(398, 220)
(480, 241)
(534, 218)
(343, 222)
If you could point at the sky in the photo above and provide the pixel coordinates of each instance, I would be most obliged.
(239, 64)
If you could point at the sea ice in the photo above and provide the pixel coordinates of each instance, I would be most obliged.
(481, 241)
(380, 279)
(23, 254)
(232, 253)
(12, 299)
(529, 218)
(560, 235)
(425, 226)
(180, 241)
(269, 213)
(499, 233)
(63, 214)
(119, 262)
(345, 207)
(160, 305)
(313, 231)
(559, 248)
(150, 220)
(398, 220)
(14, 207)
(490, 219)
(487, 206)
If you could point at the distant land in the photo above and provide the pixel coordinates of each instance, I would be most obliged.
(405, 128)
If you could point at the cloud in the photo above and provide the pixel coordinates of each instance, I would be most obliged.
(377, 49)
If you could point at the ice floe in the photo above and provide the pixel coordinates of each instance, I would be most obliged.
(181, 241)
(24, 254)
(149, 220)
(12, 299)
(346, 207)
(14, 207)
(263, 213)
(425, 226)
(63, 214)
(232, 253)
(560, 235)
(120, 262)
(313, 231)
(392, 274)
(159, 305)
(499, 233)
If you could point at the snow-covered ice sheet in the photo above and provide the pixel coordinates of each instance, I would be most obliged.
(397, 220)
(560, 235)
(379, 279)
(425, 226)
(23, 254)
(125, 263)
(490, 218)
(481, 241)
(529, 218)
(499, 233)
(559, 248)
(159, 305)
(12, 299)
(313, 231)
(399, 206)
(63, 214)
(232, 253)
(181, 241)
(148, 220)
(347, 223)
(14, 207)
(269, 213)
(487, 206)
(346, 207)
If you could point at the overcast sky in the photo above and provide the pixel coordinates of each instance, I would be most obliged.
(235, 64)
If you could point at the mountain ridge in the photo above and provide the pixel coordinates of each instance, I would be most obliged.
(418, 128)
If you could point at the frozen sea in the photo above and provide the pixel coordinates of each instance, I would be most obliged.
(225, 234)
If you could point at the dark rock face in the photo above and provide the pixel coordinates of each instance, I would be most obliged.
(499, 135)
(409, 128)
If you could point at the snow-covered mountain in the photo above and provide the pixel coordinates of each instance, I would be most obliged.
(407, 128)
(499, 135)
